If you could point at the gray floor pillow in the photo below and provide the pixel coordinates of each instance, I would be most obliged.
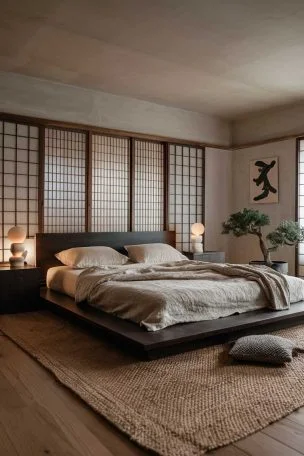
(264, 348)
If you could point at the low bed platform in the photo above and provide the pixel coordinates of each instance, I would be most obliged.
(130, 336)
(177, 338)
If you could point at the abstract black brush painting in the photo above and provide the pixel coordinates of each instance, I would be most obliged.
(264, 180)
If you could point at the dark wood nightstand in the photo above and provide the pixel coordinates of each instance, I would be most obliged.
(211, 257)
(19, 289)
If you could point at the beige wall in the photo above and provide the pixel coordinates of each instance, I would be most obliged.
(218, 198)
(36, 97)
(246, 248)
(269, 124)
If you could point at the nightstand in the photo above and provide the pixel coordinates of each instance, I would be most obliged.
(19, 289)
(211, 257)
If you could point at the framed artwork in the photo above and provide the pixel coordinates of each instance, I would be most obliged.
(264, 180)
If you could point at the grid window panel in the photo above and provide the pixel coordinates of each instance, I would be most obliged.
(148, 186)
(19, 167)
(110, 183)
(186, 191)
(300, 208)
(65, 181)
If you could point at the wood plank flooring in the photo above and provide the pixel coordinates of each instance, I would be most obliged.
(38, 416)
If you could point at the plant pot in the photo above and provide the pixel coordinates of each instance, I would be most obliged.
(279, 266)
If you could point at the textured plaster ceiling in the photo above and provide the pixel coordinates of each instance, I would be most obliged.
(227, 58)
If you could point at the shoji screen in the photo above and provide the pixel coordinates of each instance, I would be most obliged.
(300, 249)
(19, 165)
(64, 181)
(110, 183)
(186, 191)
(148, 186)
(95, 180)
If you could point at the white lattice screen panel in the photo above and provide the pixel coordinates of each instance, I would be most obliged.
(301, 206)
(110, 176)
(129, 185)
(186, 191)
(19, 167)
(148, 186)
(64, 181)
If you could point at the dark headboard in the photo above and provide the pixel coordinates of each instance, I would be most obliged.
(47, 244)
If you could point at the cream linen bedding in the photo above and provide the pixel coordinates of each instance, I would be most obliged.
(162, 295)
(63, 279)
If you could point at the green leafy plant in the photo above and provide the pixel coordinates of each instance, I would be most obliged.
(250, 221)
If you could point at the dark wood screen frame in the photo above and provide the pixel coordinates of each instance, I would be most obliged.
(42, 124)
(65, 135)
(112, 144)
(203, 167)
(297, 199)
(19, 171)
(164, 170)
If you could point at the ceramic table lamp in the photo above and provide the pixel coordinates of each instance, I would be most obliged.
(17, 236)
(197, 230)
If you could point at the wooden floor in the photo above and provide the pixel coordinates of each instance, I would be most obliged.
(38, 416)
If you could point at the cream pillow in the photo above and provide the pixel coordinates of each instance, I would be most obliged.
(153, 253)
(85, 257)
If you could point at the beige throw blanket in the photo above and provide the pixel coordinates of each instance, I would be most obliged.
(154, 307)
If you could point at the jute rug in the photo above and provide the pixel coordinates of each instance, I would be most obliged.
(183, 405)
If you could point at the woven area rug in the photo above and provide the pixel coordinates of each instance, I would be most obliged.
(182, 405)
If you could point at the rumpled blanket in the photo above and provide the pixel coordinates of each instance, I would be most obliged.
(157, 296)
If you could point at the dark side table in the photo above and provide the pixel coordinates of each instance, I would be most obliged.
(19, 289)
(211, 257)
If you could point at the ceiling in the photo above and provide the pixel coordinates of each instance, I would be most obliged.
(223, 57)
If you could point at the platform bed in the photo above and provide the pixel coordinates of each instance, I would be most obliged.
(132, 337)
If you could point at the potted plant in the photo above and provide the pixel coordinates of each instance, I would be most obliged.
(250, 221)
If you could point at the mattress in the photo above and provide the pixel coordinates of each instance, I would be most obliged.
(63, 279)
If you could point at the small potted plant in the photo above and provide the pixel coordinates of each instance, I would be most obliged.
(250, 221)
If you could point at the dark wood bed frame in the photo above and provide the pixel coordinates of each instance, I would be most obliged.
(130, 336)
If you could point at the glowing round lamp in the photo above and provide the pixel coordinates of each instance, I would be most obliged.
(197, 230)
(17, 236)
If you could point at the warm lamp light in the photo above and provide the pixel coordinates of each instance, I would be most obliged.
(197, 230)
(17, 235)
